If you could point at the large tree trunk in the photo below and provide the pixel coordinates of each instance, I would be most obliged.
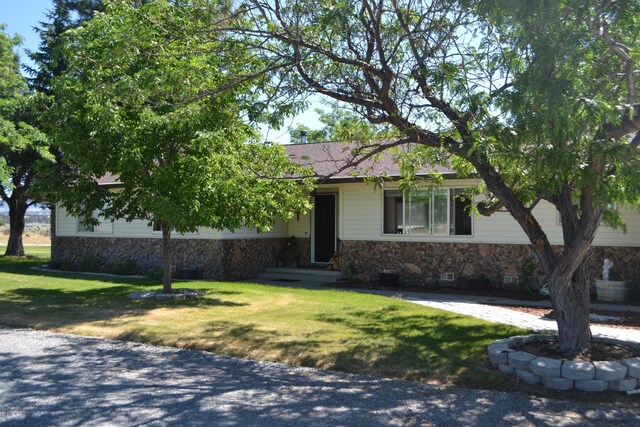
(52, 233)
(167, 255)
(568, 272)
(570, 297)
(17, 211)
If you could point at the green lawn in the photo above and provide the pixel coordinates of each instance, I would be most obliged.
(332, 329)
(32, 251)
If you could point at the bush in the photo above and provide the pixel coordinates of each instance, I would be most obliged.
(89, 263)
(68, 266)
(127, 267)
(155, 273)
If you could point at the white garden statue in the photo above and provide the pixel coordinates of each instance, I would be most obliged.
(606, 266)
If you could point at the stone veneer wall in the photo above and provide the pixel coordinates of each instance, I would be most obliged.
(303, 251)
(245, 258)
(420, 263)
(205, 255)
(214, 259)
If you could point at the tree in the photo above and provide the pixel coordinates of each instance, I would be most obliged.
(48, 59)
(28, 159)
(342, 125)
(23, 148)
(538, 99)
(147, 98)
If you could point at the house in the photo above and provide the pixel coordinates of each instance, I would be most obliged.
(426, 236)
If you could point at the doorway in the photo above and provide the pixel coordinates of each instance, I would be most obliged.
(325, 236)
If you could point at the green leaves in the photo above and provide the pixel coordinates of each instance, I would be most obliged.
(155, 95)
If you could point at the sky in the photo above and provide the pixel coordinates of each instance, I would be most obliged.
(20, 16)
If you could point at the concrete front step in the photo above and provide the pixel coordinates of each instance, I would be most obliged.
(284, 275)
(315, 272)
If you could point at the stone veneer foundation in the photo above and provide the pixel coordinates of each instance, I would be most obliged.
(214, 259)
(421, 264)
(564, 374)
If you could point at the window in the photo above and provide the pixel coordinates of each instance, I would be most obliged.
(82, 228)
(104, 227)
(438, 211)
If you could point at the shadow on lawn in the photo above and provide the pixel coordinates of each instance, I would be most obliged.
(57, 308)
(445, 347)
(448, 348)
(26, 266)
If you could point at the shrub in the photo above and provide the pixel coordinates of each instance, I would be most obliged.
(88, 263)
(127, 267)
(68, 266)
(155, 273)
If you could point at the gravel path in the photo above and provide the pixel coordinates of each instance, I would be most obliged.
(55, 379)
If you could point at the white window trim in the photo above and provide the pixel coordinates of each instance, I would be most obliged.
(103, 227)
(406, 234)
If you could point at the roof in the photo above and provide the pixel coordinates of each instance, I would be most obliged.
(339, 160)
(109, 179)
(336, 161)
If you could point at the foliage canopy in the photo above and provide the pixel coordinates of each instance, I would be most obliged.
(153, 98)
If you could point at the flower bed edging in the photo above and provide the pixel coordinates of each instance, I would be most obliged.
(564, 374)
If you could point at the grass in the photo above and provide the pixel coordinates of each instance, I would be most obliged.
(40, 251)
(339, 330)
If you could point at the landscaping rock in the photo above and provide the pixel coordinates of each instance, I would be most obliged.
(142, 295)
(499, 354)
(610, 371)
(546, 367)
(506, 369)
(518, 339)
(520, 360)
(591, 385)
(557, 383)
(633, 366)
(578, 371)
(623, 385)
(527, 376)
(182, 293)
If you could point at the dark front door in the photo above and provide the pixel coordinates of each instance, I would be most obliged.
(324, 227)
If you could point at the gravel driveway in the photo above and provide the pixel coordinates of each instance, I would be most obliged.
(54, 379)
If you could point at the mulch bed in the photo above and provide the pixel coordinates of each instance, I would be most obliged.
(614, 319)
(598, 351)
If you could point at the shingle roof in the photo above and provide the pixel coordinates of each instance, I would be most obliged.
(337, 160)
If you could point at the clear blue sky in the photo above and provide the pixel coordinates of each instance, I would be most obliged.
(20, 16)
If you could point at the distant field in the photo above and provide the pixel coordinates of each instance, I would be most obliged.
(39, 251)
(33, 235)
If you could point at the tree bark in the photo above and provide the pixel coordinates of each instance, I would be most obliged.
(570, 297)
(17, 211)
(53, 232)
(167, 256)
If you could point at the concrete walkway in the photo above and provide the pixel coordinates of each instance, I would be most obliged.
(484, 307)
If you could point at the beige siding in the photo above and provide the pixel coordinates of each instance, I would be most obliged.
(300, 226)
(68, 226)
(279, 230)
(361, 219)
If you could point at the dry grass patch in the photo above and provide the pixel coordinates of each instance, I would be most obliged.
(332, 329)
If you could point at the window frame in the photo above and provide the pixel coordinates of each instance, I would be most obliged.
(103, 227)
(406, 210)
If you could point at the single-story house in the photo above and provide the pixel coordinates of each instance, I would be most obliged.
(426, 236)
